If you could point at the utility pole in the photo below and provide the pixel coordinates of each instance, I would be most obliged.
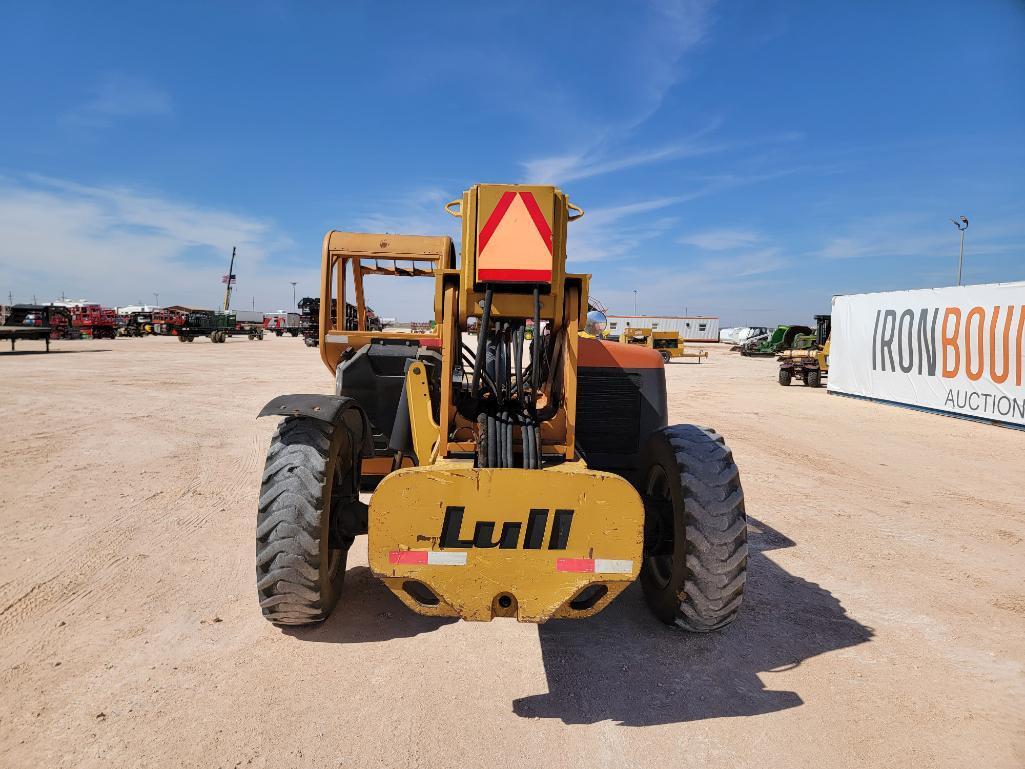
(156, 298)
(962, 226)
(10, 297)
(293, 293)
(230, 280)
(635, 301)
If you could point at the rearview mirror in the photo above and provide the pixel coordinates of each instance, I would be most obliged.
(596, 322)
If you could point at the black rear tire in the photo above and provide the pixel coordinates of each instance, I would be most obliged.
(695, 529)
(312, 468)
(665, 356)
(814, 378)
(785, 377)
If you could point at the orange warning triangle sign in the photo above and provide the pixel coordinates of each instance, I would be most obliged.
(515, 243)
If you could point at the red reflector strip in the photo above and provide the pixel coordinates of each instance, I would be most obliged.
(408, 556)
(513, 276)
(595, 565)
(539, 218)
(426, 558)
(575, 564)
(496, 216)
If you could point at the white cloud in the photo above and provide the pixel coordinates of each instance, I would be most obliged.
(603, 234)
(596, 162)
(118, 95)
(416, 212)
(649, 58)
(721, 239)
(674, 27)
(117, 245)
(747, 264)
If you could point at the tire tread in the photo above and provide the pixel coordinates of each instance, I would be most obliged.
(288, 529)
(716, 528)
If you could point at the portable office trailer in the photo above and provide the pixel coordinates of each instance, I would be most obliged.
(692, 328)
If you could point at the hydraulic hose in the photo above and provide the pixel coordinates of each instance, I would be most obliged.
(492, 441)
(518, 361)
(482, 335)
(483, 375)
(535, 342)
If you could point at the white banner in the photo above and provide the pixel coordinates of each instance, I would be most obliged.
(958, 349)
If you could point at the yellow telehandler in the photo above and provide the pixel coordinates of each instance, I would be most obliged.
(512, 480)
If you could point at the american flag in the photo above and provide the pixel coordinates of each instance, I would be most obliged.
(225, 278)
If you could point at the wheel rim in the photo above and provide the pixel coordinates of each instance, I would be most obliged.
(658, 496)
(337, 495)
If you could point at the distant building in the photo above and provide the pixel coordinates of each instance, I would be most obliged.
(692, 328)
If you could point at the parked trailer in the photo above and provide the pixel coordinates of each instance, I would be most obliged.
(668, 344)
(29, 322)
(282, 323)
(217, 326)
(692, 328)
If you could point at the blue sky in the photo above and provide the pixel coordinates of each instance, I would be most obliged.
(747, 159)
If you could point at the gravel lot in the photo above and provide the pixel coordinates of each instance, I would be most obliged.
(884, 623)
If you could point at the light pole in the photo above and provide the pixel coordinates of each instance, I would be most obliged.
(635, 301)
(293, 293)
(962, 226)
(156, 298)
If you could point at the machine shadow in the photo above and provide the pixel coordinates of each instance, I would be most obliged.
(367, 611)
(624, 666)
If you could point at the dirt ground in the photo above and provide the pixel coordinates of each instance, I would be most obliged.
(884, 622)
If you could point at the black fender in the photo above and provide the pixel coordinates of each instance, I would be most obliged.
(333, 409)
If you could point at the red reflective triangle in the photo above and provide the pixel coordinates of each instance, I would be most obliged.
(503, 206)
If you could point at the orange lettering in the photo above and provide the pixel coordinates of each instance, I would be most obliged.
(950, 341)
(974, 374)
(1002, 376)
(1021, 332)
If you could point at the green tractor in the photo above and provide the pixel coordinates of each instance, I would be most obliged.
(780, 339)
